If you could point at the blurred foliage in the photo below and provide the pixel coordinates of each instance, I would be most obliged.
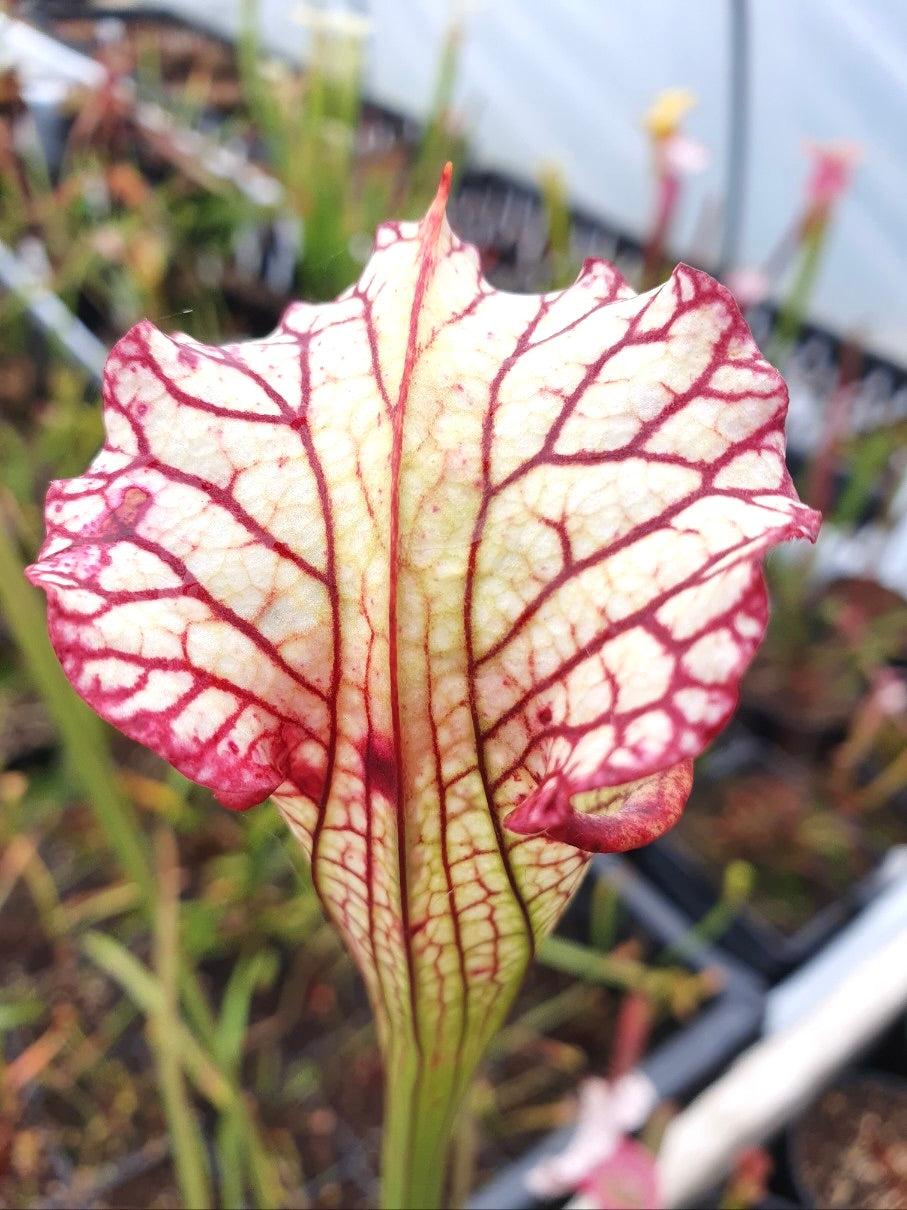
(178, 1022)
(340, 176)
(179, 1025)
(823, 793)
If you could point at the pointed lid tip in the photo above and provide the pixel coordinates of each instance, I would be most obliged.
(434, 218)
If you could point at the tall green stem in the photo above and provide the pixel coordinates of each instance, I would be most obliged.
(792, 311)
(188, 1146)
(420, 1106)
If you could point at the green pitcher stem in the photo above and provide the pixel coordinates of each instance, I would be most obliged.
(791, 313)
(420, 1108)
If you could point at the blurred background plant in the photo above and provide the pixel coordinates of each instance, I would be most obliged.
(179, 1024)
(814, 789)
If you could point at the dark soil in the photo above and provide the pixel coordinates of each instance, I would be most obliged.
(849, 1150)
(175, 54)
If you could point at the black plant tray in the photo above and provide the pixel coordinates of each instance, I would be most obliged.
(750, 939)
(685, 1061)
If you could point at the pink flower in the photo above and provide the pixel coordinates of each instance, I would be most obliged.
(612, 1171)
(626, 1180)
(830, 175)
(749, 286)
(682, 155)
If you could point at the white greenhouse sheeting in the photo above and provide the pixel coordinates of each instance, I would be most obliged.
(566, 83)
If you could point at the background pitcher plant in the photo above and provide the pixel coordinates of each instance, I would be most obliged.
(464, 579)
